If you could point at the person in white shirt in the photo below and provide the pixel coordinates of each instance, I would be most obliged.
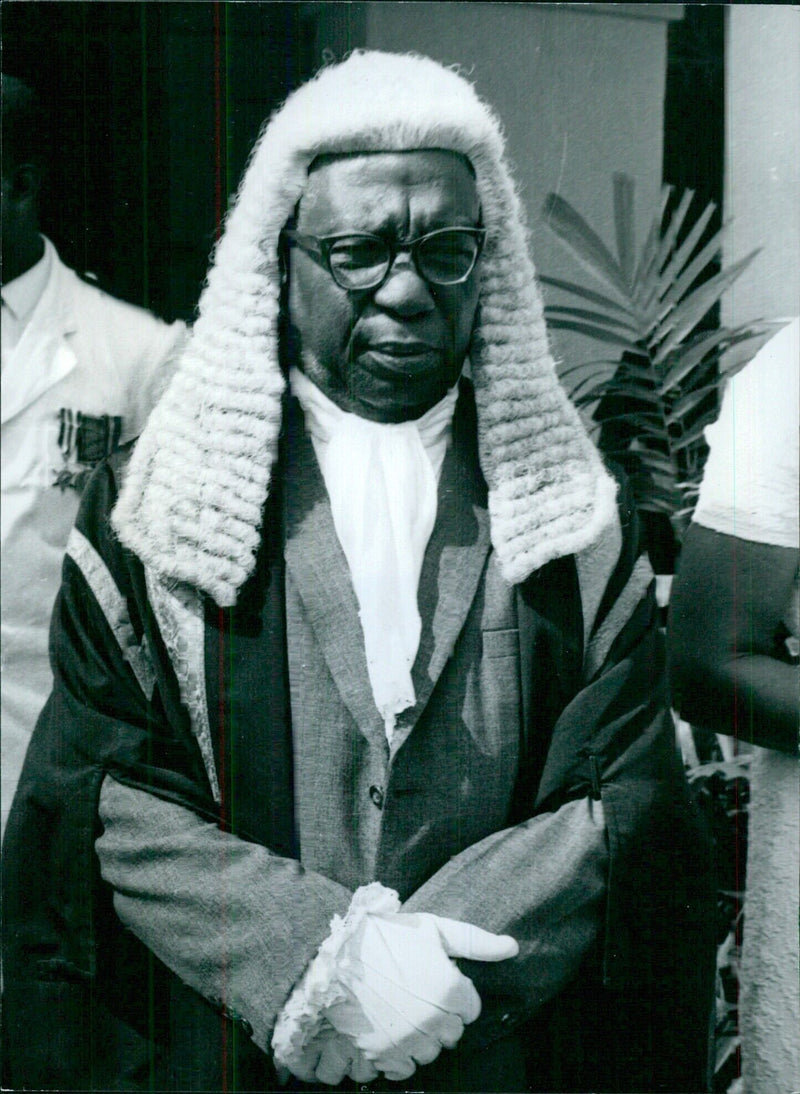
(733, 637)
(80, 372)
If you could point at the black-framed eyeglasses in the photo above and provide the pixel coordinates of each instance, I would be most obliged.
(359, 261)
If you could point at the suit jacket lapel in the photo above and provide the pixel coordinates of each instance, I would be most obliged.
(451, 571)
(317, 566)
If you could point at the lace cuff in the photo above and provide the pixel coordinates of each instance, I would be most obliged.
(302, 1018)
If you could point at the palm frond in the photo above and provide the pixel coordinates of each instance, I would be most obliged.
(583, 242)
(656, 463)
(682, 321)
(653, 401)
(629, 391)
(600, 334)
(587, 380)
(606, 362)
(686, 277)
(645, 374)
(651, 503)
(690, 402)
(559, 311)
(587, 294)
(669, 275)
(684, 359)
(695, 433)
(670, 236)
(624, 224)
(649, 255)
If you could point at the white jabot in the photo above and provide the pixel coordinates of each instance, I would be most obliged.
(382, 483)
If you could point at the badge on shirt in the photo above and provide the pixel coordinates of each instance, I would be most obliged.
(84, 440)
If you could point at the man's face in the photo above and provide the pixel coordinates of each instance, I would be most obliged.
(21, 245)
(12, 224)
(389, 353)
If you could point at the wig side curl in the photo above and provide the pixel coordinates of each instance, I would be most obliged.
(193, 498)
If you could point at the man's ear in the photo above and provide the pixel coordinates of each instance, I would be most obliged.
(26, 181)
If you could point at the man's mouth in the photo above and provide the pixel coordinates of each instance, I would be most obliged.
(406, 357)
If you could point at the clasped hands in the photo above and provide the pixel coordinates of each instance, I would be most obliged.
(398, 999)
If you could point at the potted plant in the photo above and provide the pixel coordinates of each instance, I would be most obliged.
(657, 384)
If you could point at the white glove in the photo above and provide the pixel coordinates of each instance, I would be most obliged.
(328, 1058)
(406, 998)
(384, 984)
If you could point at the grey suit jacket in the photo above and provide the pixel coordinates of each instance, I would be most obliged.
(537, 790)
(428, 817)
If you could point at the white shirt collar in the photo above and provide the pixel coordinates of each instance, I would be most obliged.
(323, 415)
(22, 294)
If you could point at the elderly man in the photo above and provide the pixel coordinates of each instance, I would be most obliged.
(358, 672)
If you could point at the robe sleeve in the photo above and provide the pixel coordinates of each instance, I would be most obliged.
(232, 920)
(115, 797)
(605, 868)
(543, 882)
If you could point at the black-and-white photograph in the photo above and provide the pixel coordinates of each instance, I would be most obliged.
(400, 538)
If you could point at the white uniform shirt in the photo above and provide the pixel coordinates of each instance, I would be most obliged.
(20, 297)
(751, 483)
(80, 372)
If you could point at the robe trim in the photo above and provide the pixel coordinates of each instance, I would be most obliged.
(113, 606)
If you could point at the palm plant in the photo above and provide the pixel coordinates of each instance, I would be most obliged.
(652, 393)
(657, 384)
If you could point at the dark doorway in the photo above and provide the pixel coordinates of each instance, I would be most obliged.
(153, 108)
(694, 112)
(694, 159)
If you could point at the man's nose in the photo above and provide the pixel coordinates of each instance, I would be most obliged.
(404, 291)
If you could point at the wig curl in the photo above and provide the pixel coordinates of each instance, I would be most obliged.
(192, 501)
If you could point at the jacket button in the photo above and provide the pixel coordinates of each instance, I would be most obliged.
(376, 794)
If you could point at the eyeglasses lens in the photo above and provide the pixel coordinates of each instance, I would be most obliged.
(359, 263)
(444, 258)
(447, 257)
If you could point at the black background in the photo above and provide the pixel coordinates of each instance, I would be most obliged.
(153, 109)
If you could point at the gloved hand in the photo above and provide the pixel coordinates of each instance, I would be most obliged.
(329, 1058)
(382, 992)
(405, 999)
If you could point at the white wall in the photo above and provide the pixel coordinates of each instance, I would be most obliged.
(762, 178)
(580, 90)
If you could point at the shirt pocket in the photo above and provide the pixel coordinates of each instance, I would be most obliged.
(501, 643)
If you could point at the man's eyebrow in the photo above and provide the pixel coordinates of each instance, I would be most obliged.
(331, 157)
(389, 229)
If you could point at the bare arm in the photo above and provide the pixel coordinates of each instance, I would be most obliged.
(729, 670)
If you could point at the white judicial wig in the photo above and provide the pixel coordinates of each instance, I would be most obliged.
(192, 501)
